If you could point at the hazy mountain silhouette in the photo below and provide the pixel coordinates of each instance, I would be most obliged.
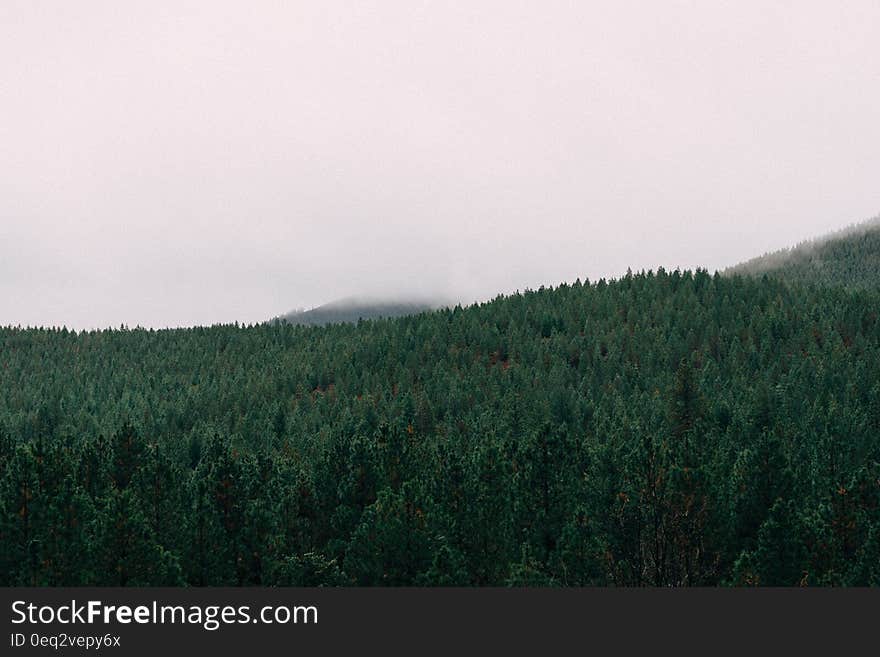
(352, 309)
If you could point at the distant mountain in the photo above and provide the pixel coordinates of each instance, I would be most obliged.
(352, 309)
(848, 258)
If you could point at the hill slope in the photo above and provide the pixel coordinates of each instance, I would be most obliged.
(662, 429)
(849, 258)
(352, 309)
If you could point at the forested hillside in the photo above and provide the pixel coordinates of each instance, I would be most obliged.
(662, 429)
(353, 309)
(848, 258)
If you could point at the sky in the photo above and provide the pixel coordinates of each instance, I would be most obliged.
(180, 163)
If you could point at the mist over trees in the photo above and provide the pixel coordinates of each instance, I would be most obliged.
(352, 309)
(848, 258)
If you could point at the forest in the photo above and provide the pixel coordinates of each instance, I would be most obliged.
(668, 428)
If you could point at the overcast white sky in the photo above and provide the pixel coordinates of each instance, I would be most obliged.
(177, 163)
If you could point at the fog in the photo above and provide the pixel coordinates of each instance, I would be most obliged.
(178, 163)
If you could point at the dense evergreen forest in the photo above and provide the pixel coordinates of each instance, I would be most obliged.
(667, 428)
